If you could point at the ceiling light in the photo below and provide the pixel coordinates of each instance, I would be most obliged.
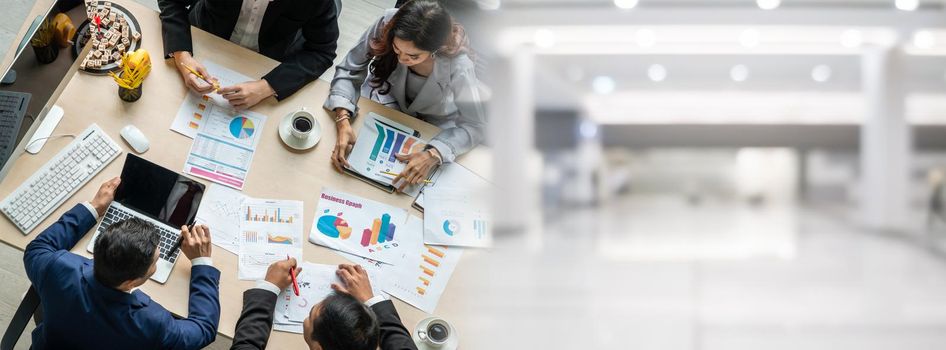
(657, 73)
(907, 5)
(544, 38)
(852, 38)
(588, 129)
(768, 4)
(749, 38)
(924, 39)
(646, 37)
(625, 4)
(821, 73)
(489, 4)
(603, 85)
(739, 73)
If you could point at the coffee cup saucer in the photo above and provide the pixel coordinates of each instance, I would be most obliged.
(285, 133)
(452, 343)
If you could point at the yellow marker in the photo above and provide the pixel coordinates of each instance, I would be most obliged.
(201, 76)
(396, 174)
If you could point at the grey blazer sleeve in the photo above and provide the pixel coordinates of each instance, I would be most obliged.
(351, 73)
(471, 115)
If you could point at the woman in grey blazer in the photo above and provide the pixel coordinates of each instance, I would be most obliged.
(415, 59)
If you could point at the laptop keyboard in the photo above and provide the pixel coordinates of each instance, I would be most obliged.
(167, 240)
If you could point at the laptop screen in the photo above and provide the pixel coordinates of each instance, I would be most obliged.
(159, 193)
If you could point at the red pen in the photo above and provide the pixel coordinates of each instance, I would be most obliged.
(292, 274)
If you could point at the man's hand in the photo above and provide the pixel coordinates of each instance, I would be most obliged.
(248, 94)
(278, 273)
(196, 243)
(193, 82)
(103, 198)
(356, 282)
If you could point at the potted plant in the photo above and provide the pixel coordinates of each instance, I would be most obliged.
(135, 66)
(43, 43)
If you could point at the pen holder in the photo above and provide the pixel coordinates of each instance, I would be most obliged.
(46, 54)
(130, 95)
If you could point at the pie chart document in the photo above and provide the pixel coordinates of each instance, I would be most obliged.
(224, 146)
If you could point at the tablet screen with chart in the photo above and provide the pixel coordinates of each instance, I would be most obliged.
(379, 142)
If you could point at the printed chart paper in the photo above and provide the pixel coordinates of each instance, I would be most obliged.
(358, 226)
(452, 175)
(379, 141)
(315, 284)
(220, 210)
(192, 111)
(272, 231)
(224, 147)
(457, 216)
(420, 274)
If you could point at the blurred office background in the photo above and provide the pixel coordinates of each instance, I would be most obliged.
(716, 174)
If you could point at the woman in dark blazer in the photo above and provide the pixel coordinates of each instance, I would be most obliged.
(415, 59)
(301, 34)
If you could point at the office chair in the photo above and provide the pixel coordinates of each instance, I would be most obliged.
(29, 308)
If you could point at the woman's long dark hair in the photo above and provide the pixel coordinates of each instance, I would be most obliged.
(426, 24)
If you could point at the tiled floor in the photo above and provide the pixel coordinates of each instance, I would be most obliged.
(651, 274)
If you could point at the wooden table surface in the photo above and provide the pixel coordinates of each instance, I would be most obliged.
(277, 171)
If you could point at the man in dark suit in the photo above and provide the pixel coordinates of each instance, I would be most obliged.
(96, 305)
(302, 34)
(352, 318)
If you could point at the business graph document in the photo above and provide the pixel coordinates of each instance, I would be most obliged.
(357, 225)
(224, 147)
(380, 140)
(195, 106)
(420, 272)
(220, 211)
(457, 216)
(271, 231)
(451, 175)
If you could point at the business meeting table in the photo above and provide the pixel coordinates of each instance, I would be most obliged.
(277, 171)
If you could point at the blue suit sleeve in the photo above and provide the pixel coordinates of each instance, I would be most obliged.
(203, 315)
(43, 251)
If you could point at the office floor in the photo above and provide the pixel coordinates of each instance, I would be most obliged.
(655, 273)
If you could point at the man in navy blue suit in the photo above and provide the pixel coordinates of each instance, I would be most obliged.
(97, 305)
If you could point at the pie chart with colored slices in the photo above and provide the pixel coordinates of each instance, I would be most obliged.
(242, 127)
(333, 226)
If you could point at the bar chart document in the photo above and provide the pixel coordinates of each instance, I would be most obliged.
(195, 106)
(357, 225)
(457, 216)
(224, 147)
(271, 231)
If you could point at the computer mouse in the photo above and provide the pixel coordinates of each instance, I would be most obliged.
(135, 138)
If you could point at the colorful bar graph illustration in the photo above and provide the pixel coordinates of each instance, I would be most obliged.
(427, 271)
(382, 230)
(266, 217)
(429, 266)
(397, 145)
(377, 143)
(407, 145)
(421, 291)
(435, 251)
(430, 260)
(250, 236)
(425, 281)
(388, 141)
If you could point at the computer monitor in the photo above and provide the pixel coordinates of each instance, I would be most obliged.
(31, 87)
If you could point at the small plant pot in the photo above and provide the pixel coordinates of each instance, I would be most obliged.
(130, 95)
(46, 54)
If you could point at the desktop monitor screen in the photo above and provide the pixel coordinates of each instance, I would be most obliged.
(31, 82)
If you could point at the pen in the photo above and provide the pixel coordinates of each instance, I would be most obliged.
(201, 76)
(396, 174)
(292, 274)
(177, 245)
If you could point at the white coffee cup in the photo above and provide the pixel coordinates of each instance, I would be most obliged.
(301, 124)
(436, 334)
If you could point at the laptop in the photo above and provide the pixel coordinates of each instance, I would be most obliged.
(157, 195)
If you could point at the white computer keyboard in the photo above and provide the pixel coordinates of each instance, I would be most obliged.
(60, 178)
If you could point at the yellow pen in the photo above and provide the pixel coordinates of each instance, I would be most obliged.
(396, 174)
(201, 76)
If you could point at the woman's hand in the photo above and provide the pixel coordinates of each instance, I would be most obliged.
(344, 142)
(248, 94)
(419, 165)
(198, 85)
